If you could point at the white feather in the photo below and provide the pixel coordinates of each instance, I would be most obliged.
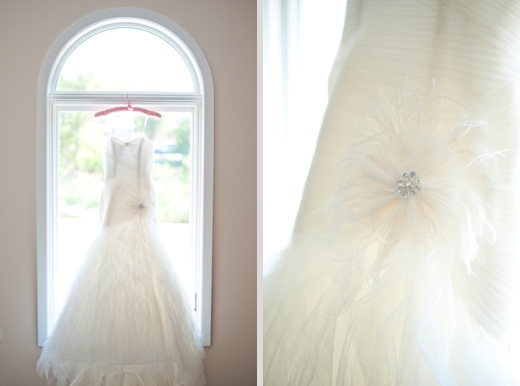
(419, 137)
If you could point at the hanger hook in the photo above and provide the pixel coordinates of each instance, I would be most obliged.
(129, 107)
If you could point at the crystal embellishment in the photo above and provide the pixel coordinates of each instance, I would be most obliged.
(408, 185)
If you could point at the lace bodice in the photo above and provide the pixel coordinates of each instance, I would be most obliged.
(127, 191)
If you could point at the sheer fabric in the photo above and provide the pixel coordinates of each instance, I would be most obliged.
(378, 290)
(126, 320)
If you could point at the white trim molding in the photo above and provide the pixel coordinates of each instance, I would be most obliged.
(200, 103)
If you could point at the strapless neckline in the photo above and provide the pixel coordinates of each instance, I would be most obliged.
(127, 143)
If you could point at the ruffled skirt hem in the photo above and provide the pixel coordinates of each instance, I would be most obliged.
(61, 372)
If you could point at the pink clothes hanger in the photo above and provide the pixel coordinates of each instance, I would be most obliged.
(129, 107)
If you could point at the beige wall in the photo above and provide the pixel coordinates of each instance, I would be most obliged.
(226, 32)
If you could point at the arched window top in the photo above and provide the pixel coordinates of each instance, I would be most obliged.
(125, 59)
(126, 54)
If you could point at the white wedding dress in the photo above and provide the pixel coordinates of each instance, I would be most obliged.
(377, 289)
(126, 321)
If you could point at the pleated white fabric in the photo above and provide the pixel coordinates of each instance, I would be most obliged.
(379, 290)
(126, 321)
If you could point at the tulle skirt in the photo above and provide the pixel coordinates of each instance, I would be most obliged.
(126, 320)
(332, 320)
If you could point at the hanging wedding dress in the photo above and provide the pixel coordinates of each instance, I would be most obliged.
(401, 270)
(126, 321)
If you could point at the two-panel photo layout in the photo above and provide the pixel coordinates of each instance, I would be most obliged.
(276, 192)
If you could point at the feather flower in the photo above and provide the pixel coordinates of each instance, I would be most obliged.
(416, 180)
(139, 206)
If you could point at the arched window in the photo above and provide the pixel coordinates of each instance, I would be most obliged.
(96, 64)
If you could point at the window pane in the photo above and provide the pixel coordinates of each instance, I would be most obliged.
(125, 59)
(82, 138)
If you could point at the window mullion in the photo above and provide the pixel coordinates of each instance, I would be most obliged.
(120, 98)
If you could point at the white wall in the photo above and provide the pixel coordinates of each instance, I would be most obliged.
(226, 32)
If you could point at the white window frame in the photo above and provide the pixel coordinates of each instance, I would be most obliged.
(49, 105)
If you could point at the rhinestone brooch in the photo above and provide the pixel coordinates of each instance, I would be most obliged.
(408, 185)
